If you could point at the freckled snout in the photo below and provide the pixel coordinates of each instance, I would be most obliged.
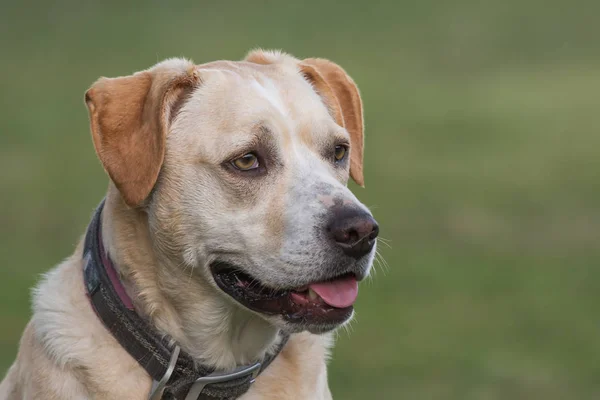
(353, 230)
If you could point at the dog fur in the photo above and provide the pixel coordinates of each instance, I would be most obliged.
(172, 208)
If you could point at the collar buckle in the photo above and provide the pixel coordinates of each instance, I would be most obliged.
(159, 386)
(219, 376)
(198, 386)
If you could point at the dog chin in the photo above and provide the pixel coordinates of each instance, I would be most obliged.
(298, 327)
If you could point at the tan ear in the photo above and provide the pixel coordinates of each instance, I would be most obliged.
(130, 117)
(343, 99)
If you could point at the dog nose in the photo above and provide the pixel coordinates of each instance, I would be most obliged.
(354, 231)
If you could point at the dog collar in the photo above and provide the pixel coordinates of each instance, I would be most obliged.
(174, 373)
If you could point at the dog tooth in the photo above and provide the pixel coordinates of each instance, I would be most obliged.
(312, 295)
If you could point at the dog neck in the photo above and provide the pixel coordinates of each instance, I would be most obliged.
(179, 301)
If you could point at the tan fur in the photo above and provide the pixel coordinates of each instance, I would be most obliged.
(166, 131)
(128, 118)
(331, 78)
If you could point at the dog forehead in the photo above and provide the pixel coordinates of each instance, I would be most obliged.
(250, 88)
(235, 97)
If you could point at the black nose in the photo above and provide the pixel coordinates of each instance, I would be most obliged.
(354, 231)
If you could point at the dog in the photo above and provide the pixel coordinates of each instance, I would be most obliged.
(228, 247)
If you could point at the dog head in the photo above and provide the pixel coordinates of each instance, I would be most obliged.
(242, 169)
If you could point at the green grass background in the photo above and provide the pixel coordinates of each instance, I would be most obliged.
(482, 166)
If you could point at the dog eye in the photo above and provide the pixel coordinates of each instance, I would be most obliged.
(246, 162)
(340, 152)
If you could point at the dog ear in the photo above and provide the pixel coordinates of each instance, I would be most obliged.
(343, 99)
(130, 117)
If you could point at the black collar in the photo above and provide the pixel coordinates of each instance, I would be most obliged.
(175, 374)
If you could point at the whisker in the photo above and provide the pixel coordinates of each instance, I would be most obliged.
(384, 241)
(386, 265)
(381, 261)
(360, 240)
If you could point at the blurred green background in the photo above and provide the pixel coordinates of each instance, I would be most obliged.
(482, 166)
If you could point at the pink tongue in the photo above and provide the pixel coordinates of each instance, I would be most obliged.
(340, 293)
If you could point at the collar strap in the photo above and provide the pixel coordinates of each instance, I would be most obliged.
(175, 373)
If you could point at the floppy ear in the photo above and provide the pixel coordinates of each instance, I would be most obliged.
(343, 99)
(130, 117)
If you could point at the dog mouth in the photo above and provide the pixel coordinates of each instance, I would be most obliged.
(326, 303)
